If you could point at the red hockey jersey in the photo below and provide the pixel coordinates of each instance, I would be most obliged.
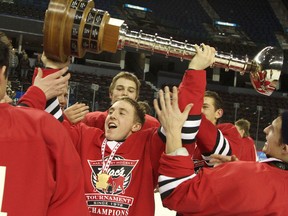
(237, 188)
(43, 173)
(221, 139)
(134, 169)
(249, 150)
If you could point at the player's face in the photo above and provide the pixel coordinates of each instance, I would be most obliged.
(209, 111)
(63, 99)
(123, 87)
(120, 122)
(272, 147)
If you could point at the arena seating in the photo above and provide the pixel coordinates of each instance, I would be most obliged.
(255, 18)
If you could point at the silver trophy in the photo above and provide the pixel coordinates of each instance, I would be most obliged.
(74, 27)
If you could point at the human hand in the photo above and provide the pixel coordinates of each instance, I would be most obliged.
(205, 57)
(54, 84)
(76, 112)
(170, 117)
(217, 159)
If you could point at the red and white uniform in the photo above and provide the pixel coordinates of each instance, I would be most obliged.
(134, 168)
(135, 163)
(221, 139)
(236, 188)
(43, 173)
(249, 151)
(97, 119)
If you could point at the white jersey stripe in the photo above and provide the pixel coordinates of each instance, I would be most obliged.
(173, 184)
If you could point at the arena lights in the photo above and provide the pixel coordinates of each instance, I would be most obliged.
(217, 22)
(130, 6)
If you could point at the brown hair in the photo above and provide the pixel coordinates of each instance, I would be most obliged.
(218, 102)
(244, 125)
(146, 107)
(128, 76)
(139, 110)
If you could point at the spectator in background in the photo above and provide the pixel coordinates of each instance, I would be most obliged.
(40, 169)
(14, 61)
(10, 94)
(243, 127)
(123, 84)
(25, 66)
(38, 61)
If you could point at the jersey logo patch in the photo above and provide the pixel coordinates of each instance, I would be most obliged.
(117, 178)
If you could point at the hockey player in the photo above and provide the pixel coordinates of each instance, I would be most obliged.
(121, 163)
(40, 171)
(243, 127)
(123, 84)
(233, 188)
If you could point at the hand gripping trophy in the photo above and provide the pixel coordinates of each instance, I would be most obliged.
(74, 27)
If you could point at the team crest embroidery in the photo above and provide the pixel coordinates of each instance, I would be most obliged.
(109, 187)
(116, 179)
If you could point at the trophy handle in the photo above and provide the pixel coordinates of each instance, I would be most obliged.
(74, 27)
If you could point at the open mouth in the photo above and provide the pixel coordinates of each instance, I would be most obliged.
(112, 125)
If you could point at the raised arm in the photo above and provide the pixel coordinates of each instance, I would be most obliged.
(192, 90)
(171, 118)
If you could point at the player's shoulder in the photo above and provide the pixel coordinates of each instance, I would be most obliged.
(96, 114)
(150, 118)
(35, 115)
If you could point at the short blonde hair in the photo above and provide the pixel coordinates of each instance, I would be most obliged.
(244, 124)
(128, 76)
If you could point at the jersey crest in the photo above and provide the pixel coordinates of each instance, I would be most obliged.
(109, 188)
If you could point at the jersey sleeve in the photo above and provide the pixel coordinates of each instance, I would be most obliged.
(33, 97)
(209, 192)
(191, 90)
(211, 140)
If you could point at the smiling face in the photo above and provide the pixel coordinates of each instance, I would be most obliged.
(123, 87)
(273, 145)
(121, 121)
